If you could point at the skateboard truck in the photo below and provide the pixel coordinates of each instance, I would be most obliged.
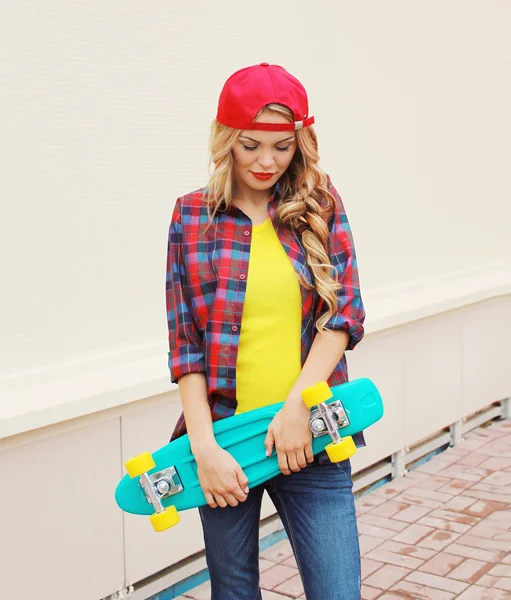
(156, 487)
(321, 423)
(329, 417)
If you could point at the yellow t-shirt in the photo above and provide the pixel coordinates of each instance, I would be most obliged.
(268, 362)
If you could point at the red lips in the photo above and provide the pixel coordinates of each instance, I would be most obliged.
(263, 176)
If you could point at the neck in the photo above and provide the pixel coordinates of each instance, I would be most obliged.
(249, 196)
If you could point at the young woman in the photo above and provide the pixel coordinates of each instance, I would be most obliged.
(263, 299)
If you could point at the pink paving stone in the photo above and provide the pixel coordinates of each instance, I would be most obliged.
(434, 466)
(412, 514)
(406, 550)
(413, 534)
(472, 444)
(486, 529)
(388, 509)
(505, 491)
(501, 515)
(373, 530)
(393, 488)
(273, 577)
(411, 497)
(369, 593)
(441, 583)
(484, 508)
(409, 589)
(432, 483)
(441, 564)
(504, 583)
(391, 597)
(290, 562)
(438, 540)
(369, 501)
(476, 592)
(278, 552)
(368, 543)
(369, 566)
(452, 526)
(451, 515)
(496, 463)
(459, 503)
(478, 542)
(264, 565)
(391, 524)
(470, 570)
(500, 571)
(474, 460)
(393, 558)
(413, 476)
(490, 496)
(487, 581)
(386, 577)
(292, 587)
(498, 478)
(465, 472)
(477, 553)
(507, 559)
(267, 595)
(455, 486)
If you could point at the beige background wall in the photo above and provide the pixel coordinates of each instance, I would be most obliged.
(104, 114)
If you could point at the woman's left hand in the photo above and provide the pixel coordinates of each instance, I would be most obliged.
(289, 432)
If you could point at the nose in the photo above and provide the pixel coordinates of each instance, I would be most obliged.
(266, 159)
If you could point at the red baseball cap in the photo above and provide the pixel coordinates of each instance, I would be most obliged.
(249, 89)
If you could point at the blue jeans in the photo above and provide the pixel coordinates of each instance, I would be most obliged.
(316, 506)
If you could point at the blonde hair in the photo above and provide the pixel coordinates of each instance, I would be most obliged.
(305, 202)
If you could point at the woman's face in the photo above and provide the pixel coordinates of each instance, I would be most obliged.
(262, 152)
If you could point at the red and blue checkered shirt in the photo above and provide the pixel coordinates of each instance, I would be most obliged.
(205, 291)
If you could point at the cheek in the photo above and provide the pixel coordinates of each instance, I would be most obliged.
(284, 159)
(241, 159)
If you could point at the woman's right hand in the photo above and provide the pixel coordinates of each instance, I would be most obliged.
(221, 478)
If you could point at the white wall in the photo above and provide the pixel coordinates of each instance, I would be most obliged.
(105, 115)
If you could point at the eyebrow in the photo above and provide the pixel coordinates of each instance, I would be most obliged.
(292, 137)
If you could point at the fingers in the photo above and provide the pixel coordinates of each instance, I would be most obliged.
(210, 499)
(268, 442)
(292, 460)
(242, 480)
(301, 459)
(282, 459)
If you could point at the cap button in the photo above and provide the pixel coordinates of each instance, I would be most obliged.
(265, 65)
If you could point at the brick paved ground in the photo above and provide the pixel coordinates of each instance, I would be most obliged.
(443, 531)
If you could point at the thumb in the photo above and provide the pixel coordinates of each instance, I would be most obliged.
(269, 441)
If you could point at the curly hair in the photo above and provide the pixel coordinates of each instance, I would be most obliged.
(305, 203)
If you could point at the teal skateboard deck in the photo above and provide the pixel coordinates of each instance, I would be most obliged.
(171, 480)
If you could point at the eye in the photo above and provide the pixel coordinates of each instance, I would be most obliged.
(249, 148)
(286, 149)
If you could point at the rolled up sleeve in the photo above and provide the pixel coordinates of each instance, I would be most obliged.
(186, 353)
(350, 315)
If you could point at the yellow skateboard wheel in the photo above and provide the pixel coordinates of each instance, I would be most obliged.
(165, 520)
(337, 452)
(139, 464)
(314, 394)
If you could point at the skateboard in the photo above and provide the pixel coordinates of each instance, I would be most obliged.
(165, 482)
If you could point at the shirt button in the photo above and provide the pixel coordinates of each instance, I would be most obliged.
(246, 233)
(234, 328)
(242, 276)
(229, 381)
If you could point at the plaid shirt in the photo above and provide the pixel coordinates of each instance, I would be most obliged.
(205, 291)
